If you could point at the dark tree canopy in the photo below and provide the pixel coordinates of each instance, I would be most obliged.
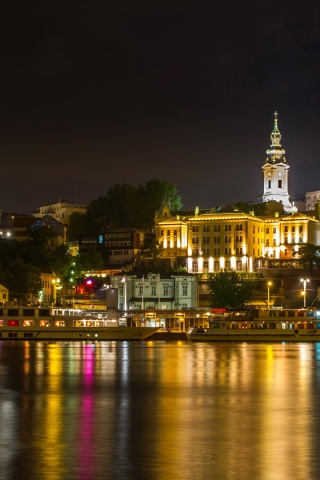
(229, 290)
(126, 206)
(309, 257)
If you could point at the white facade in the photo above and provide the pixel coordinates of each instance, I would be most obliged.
(155, 292)
(61, 210)
(312, 198)
(275, 171)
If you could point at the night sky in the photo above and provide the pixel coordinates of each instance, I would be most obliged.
(98, 93)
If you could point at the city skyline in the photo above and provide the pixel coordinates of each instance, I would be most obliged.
(185, 92)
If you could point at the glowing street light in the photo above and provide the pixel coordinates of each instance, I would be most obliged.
(269, 285)
(304, 293)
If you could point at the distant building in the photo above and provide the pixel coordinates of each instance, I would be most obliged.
(4, 295)
(17, 227)
(120, 246)
(61, 210)
(312, 198)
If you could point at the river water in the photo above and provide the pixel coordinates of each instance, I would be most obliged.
(159, 411)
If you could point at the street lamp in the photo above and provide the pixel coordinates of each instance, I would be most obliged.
(304, 293)
(269, 285)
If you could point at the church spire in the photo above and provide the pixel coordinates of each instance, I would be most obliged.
(275, 171)
(275, 152)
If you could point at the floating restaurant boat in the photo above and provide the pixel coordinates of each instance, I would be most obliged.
(26, 323)
(284, 325)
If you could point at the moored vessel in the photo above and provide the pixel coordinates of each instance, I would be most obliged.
(27, 323)
(284, 325)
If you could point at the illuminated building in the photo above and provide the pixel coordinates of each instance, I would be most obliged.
(208, 240)
(276, 170)
(154, 291)
(61, 210)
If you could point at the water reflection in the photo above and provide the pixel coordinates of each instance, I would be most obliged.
(158, 410)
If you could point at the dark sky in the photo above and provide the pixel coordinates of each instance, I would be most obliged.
(98, 93)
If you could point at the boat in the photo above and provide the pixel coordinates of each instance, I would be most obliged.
(26, 323)
(274, 325)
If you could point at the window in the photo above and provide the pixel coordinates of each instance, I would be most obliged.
(13, 323)
(228, 265)
(239, 250)
(286, 228)
(206, 266)
(274, 230)
(161, 233)
(267, 242)
(194, 267)
(227, 251)
(239, 265)
(141, 290)
(267, 230)
(206, 251)
(153, 290)
(216, 240)
(227, 228)
(168, 233)
(216, 228)
(174, 233)
(279, 183)
(184, 289)
(165, 289)
(239, 228)
(195, 240)
(253, 229)
(195, 228)
(216, 251)
(293, 229)
(274, 243)
(269, 183)
(206, 240)
(206, 229)
(227, 239)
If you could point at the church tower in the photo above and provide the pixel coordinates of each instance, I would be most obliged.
(275, 171)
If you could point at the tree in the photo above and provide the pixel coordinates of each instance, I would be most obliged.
(22, 280)
(229, 290)
(128, 206)
(91, 260)
(154, 250)
(79, 224)
(309, 257)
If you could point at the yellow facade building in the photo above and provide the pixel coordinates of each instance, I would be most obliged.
(210, 241)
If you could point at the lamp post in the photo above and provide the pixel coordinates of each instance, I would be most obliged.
(304, 293)
(269, 285)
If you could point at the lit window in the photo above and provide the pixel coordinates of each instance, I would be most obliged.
(28, 323)
(59, 323)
